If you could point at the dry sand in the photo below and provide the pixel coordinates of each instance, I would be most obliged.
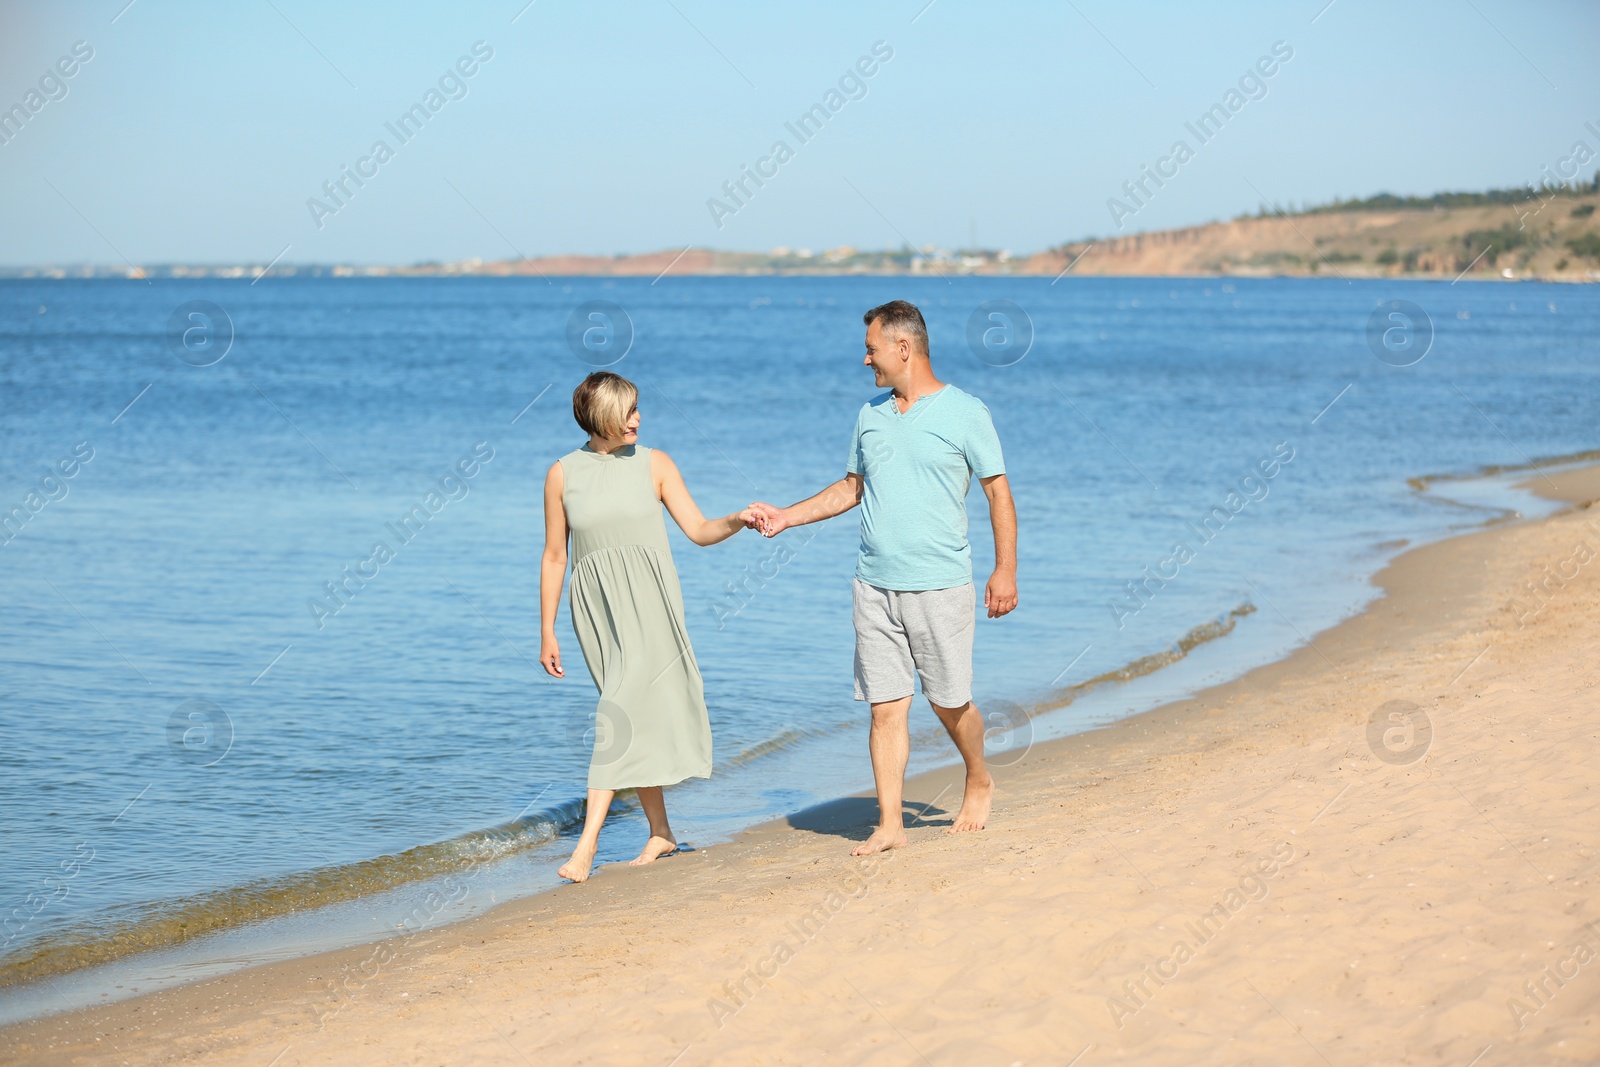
(1332, 907)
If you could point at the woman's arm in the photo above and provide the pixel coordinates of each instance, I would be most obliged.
(552, 570)
(675, 495)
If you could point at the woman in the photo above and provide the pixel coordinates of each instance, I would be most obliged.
(651, 728)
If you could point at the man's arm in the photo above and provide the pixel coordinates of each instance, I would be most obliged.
(1000, 596)
(837, 499)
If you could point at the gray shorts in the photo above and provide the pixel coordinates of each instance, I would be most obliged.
(929, 630)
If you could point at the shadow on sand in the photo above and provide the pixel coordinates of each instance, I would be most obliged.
(855, 818)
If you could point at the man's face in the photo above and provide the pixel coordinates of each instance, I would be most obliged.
(883, 354)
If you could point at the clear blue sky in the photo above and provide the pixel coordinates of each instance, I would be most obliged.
(198, 131)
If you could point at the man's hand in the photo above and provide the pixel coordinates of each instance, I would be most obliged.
(768, 519)
(1000, 596)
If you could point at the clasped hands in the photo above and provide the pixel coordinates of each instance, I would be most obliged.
(769, 521)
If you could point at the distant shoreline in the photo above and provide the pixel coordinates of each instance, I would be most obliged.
(363, 273)
(1554, 240)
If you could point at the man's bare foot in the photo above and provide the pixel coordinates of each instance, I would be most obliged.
(577, 868)
(974, 811)
(654, 849)
(882, 840)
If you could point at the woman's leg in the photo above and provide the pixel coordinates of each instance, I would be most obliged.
(594, 815)
(661, 840)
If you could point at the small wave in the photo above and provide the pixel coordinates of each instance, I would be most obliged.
(1422, 483)
(1221, 626)
(786, 739)
(146, 927)
(169, 923)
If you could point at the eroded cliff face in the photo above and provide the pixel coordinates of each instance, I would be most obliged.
(1531, 239)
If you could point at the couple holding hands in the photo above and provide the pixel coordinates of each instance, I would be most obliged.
(912, 458)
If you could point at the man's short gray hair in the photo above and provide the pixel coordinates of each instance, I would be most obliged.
(902, 318)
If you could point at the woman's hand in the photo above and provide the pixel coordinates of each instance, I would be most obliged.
(769, 520)
(550, 656)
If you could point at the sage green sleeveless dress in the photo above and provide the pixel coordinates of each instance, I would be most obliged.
(651, 726)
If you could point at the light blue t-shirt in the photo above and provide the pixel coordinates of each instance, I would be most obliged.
(917, 468)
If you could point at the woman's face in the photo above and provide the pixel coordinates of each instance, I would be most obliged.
(630, 428)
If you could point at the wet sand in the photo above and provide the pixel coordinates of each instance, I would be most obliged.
(1382, 849)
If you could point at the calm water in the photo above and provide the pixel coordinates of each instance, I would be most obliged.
(189, 748)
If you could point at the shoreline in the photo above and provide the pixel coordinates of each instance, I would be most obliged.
(138, 961)
(341, 273)
(261, 1010)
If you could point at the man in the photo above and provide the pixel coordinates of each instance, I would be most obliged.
(915, 451)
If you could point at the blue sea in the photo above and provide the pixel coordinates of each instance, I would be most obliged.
(232, 730)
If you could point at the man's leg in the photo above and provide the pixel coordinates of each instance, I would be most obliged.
(890, 744)
(883, 667)
(965, 727)
(939, 628)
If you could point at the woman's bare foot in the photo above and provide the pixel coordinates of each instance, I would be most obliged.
(882, 840)
(974, 813)
(654, 849)
(577, 868)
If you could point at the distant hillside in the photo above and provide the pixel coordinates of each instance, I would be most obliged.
(1481, 234)
(1501, 233)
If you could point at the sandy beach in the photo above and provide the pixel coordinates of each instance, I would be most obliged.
(1380, 850)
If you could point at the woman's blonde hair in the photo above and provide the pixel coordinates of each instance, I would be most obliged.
(601, 403)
